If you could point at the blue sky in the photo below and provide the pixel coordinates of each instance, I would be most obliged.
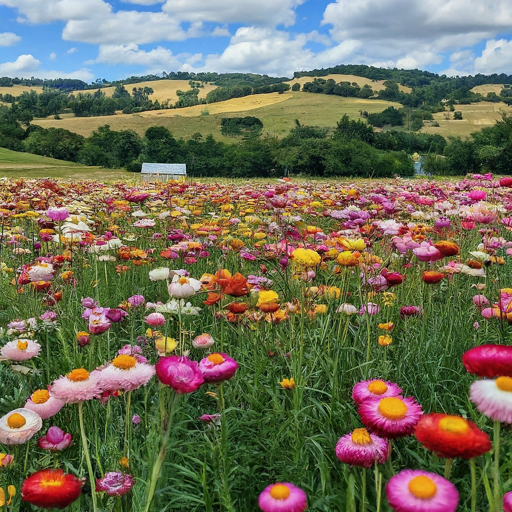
(113, 39)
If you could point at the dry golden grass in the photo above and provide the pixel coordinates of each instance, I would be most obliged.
(376, 85)
(17, 90)
(277, 112)
(485, 89)
(474, 117)
(163, 89)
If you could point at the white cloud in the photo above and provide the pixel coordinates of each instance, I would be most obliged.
(143, 2)
(495, 58)
(220, 32)
(53, 56)
(254, 12)
(8, 39)
(157, 60)
(71, 50)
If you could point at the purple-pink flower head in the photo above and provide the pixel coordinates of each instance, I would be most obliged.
(55, 440)
(44, 403)
(390, 417)
(77, 386)
(115, 483)
(489, 361)
(98, 322)
(374, 388)
(218, 367)
(125, 373)
(427, 252)
(57, 214)
(89, 303)
(507, 502)
(179, 373)
(136, 300)
(283, 497)
(360, 448)
(115, 315)
(421, 491)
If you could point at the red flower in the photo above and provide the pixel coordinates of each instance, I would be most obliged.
(489, 361)
(238, 308)
(506, 182)
(451, 436)
(51, 488)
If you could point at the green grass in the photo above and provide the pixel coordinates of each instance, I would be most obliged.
(14, 164)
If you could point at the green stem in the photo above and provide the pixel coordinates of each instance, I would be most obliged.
(26, 460)
(161, 456)
(447, 468)
(473, 484)
(363, 491)
(497, 495)
(226, 496)
(87, 456)
(127, 424)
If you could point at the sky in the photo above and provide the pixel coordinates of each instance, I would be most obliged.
(115, 39)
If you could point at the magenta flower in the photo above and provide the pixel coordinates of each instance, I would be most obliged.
(98, 321)
(115, 483)
(283, 497)
(427, 252)
(115, 315)
(507, 502)
(489, 361)
(421, 491)
(55, 440)
(374, 388)
(218, 367)
(210, 418)
(179, 373)
(57, 214)
(406, 311)
(135, 419)
(359, 448)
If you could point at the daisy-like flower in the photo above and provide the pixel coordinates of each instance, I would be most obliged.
(390, 417)
(115, 483)
(45, 404)
(283, 497)
(179, 373)
(374, 388)
(125, 373)
(77, 386)
(451, 436)
(51, 488)
(421, 491)
(489, 361)
(359, 448)
(182, 287)
(20, 350)
(18, 426)
(218, 367)
(493, 398)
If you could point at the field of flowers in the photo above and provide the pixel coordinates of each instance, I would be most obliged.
(284, 346)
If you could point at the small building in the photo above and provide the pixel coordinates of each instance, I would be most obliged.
(163, 172)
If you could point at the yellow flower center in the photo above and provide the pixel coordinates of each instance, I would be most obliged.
(392, 408)
(504, 383)
(280, 492)
(361, 437)
(51, 481)
(16, 420)
(422, 487)
(454, 424)
(124, 362)
(183, 280)
(377, 387)
(22, 345)
(216, 359)
(40, 396)
(78, 375)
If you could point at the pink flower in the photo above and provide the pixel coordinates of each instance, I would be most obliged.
(421, 491)
(493, 398)
(77, 386)
(98, 321)
(371, 308)
(55, 440)
(115, 483)
(427, 252)
(218, 367)
(182, 287)
(203, 341)
(125, 373)
(57, 214)
(18, 426)
(135, 419)
(406, 311)
(507, 502)
(45, 404)
(179, 373)
(374, 388)
(480, 301)
(136, 300)
(477, 195)
(359, 448)
(155, 319)
(390, 417)
(20, 350)
(489, 360)
(210, 418)
(283, 497)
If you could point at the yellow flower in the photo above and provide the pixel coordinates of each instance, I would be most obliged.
(267, 297)
(388, 326)
(388, 298)
(347, 259)
(386, 340)
(321, 309)
(165, 345)
(288, 383)
(306, 257)
(354, 245)
(124, 462)
(236, 244)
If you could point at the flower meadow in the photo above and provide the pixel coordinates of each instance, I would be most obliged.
(277, 346)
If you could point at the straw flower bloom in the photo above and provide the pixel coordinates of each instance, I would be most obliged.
(489, 361)
(374, 388)
(179, 373)
(203, 341)
(77, 386)
(493, 398)
(507, 499)
(218, 367)
(288, 383)
(282, 497)
(44, 403)
(20, 350)
(451, 436)
(55, 440)
(115, 483)
(360, 448)
(159, 274)
(18, 426)
(421, 491)
(125, 373)
(390, 417)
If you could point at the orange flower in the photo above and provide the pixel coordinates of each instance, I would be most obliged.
(432, 277)
(386, 340)
(235, 286)
(238, 308)
(288, 383)
(388, 326)
(271, 307)
(474, 264)
(447, 248)
(212, 299)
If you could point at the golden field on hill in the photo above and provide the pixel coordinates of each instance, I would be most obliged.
(376, 85)
(277, 112)
(17, 90)
(485, 89)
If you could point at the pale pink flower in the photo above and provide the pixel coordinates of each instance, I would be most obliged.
(20, 350)
(18, 426)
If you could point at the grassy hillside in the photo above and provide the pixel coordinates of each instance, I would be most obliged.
(14, 164)
(277, 112)
(17, 90)
(484, 90)
(376, 85)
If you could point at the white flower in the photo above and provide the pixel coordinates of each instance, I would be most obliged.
(173, 307)
(106, 257)
(144, 223)
(347, 309)
(71, 227)
(41, 272)
(182, 287)
(475, 272)
(159, 274)
(164, 215)
(139, 213)
(479, 255)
